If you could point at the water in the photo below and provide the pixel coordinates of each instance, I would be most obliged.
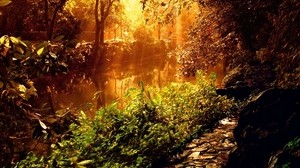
(121, 70)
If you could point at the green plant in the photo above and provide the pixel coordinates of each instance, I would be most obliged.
(293, 144)
(20, 62)
(148, 128)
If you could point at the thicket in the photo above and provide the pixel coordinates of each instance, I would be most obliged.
(247, 34)
(147, 126)
(26, 70)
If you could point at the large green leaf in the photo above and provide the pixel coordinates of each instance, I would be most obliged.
(85, 162)
(14, 40)
(4, 40)
(4, 2)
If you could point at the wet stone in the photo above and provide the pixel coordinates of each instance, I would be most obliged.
(192, 145)
(205, 157)
(211, 150)
(194, 155)
(199, 149)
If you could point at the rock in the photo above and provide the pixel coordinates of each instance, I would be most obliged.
(255, 75)
(241, 81)
(199, 149)
(206, 156)
(208, 150)
(266, 124)
(191, 145)
(194, 155)
(212, 165)
(237, 92)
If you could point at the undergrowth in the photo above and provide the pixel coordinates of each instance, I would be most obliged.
(148, 128)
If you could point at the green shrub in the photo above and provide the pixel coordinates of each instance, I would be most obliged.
(148, 128)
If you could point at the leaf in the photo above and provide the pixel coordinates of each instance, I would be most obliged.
(79, 166)
(20, 50)
(24, 44)
(18, 56)
(3, 39)
(4, 2)
(83, 114)
(28, 54)
(53, 55)
(40, 51)
(85, 162)
(58, 38)
(43, 125)
(14, 40)
(22, 88)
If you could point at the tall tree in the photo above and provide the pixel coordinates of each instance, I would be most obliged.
(102, 10)
(50, 21)
(251, 33)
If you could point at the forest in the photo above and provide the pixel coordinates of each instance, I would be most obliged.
(137, 83)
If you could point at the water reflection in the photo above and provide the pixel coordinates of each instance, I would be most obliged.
(150, 65)
(122, 69)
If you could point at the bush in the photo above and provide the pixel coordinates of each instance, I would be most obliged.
(148, 128)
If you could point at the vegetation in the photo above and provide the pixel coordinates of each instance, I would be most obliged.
(20, 64)
(148, 129)
(38, 20)
(241, 33)
(149, 124)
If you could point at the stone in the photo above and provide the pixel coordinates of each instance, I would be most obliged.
(194, 155)
(205, 157)
(213, 143)
(191, 145)
(179, 166)
(212, 165)
(199, 149)
(266, 124)
(212, 150)
(206, 150)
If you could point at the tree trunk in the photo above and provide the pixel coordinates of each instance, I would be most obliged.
(98, 51)
(46, 15)
(52, 23)
(3, 24)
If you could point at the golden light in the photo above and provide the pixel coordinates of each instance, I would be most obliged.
(133, 12)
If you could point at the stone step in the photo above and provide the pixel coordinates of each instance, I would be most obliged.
(211, 150)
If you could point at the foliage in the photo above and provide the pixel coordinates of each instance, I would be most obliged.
(164, 11)
(289, 156)
(292, 145)
(245, 32)
(4, 2)
(147, 129)
(35, 20)
(20, 63)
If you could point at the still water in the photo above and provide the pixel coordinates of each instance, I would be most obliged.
(155, 67)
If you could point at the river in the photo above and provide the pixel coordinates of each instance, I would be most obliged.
(154, 66)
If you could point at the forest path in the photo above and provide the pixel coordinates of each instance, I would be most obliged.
(210, 150)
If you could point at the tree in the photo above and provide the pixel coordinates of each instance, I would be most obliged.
(160, 13)
(240, 32)
(37, 20)
(50, 21)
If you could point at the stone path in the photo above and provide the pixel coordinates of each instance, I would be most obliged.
(210, 150)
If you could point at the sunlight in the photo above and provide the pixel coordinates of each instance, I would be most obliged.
(133, 12)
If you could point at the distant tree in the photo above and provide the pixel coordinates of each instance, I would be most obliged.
(38, 16)
(12, 17)
(240, 32)
(160, 13)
